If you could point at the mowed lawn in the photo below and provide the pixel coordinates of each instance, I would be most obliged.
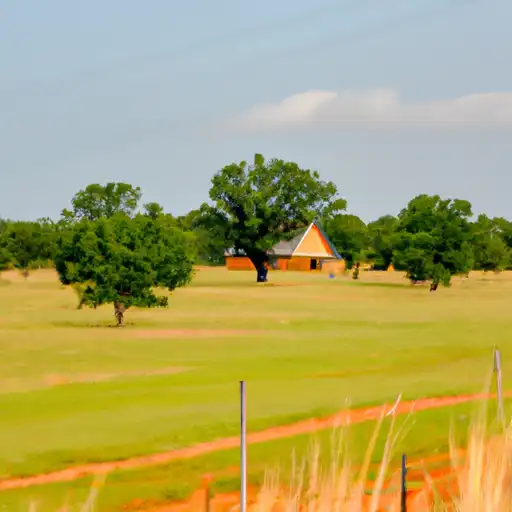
(73, 389)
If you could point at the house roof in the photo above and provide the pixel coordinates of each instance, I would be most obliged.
(304, 244)
(289, 248)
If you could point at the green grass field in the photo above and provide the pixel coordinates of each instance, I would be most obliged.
(75, 390)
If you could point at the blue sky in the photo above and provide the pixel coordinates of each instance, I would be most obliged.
(163, 94)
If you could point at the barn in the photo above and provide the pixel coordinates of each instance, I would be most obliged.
(309, 250)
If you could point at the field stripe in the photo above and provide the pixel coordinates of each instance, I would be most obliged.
(281, 432)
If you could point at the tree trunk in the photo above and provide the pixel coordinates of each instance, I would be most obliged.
(433, 287)
(119, 310)
(259, 260)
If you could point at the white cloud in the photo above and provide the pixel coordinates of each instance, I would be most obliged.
(377, 108)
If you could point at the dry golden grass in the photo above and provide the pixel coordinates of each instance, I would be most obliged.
(479, 479)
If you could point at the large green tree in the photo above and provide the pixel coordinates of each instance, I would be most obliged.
(433, 239)
(97, 201)
(121, 260)
(259, 204)
(349, 235)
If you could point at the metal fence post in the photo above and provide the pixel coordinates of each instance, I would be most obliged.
(243, 450)
(403, 485)
(499, 386)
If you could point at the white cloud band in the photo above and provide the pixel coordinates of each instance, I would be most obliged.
(377, 108)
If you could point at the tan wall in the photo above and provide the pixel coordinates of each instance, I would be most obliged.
(239, 263)
(282, 264)
(334, 266)
(298, 263)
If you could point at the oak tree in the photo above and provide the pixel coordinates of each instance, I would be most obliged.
(433, 239)
(121, 260)
(260, 204)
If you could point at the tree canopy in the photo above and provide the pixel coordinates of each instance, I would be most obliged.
(97, 201)
(433, 239)
(381, 243)
(489, 247)
(211, 233)
(25, 245)
(350, 235)
(121, 260)
(257, 205)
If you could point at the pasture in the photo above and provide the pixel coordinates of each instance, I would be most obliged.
(74, 390)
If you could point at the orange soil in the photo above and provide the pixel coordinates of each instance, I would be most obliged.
(285, 431)
(445, 486)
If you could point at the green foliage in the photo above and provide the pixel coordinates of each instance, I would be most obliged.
(381, 248)
(26, 245)
(349, 235)
(490, 249)
(257, 204)
(153, 210)
(505, 231)
(97, 201)
(120, 260)
(211, 234)
(433, 239)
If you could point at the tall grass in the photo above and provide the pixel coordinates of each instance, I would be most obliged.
(478, 478)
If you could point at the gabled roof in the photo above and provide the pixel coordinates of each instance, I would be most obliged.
(289, 248)
(306, 243)
(329, 243)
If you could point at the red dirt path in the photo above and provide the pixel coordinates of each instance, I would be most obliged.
(271, 434)
(442, 483)
(443, 480)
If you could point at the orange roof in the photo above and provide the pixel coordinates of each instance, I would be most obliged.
(311, 243)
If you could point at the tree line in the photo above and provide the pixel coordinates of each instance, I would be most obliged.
(113, 248)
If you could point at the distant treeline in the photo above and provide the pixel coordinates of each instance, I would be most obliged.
(254, 206)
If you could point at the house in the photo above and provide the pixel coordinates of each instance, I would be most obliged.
(309, 250)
